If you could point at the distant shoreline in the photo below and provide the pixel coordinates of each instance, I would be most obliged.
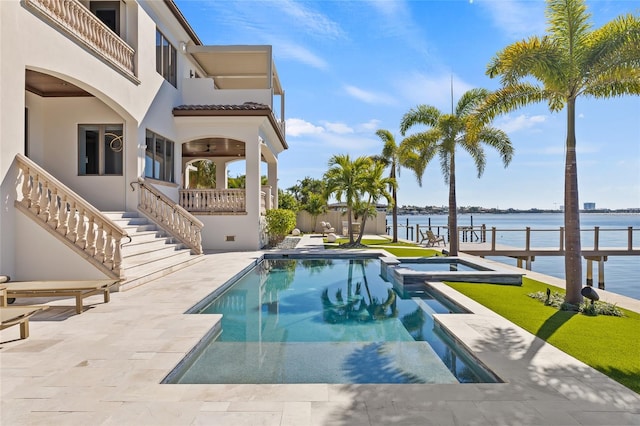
(421, 211)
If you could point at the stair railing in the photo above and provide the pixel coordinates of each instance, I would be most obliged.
(169, 215)
(70, 217)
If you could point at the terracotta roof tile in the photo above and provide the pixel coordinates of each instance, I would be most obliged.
(247, 106)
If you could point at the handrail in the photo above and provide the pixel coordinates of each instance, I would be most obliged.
(170, 216)
(70, 216)
(73, 17)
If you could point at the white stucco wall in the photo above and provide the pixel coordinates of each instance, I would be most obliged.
(34, 261)
(53, 144)
(243, 229)
(28, 41)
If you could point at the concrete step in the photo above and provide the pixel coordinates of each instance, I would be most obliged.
(145, 273)
(151, 256)
(144, 236)
(138, 246)
(151, 253)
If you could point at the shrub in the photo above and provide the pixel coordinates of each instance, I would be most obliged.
(280, 222)
(556, 300)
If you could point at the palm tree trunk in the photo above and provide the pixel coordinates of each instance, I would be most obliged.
(350, 225)
(573, 255)
(394, 194)
(453, 210)
(364, 221)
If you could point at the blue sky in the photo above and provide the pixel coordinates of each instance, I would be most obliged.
(352, 67)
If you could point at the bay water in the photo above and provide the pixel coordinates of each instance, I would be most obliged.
(621, 273)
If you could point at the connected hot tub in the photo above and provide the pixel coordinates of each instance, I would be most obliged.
(415, 271)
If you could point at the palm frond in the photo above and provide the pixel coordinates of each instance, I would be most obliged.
(426, 115)
(537, 57)
(509, 98)
(568, 24)
(498, 140)
(445, 164)
(469, 101)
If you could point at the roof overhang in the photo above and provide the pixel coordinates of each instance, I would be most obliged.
(245, 110)
(239, 66)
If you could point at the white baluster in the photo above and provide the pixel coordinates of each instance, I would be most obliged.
(73, 222)
(35, 195)
(117, 256)
(82, 229)
(63, 229)
(45, 202)
(108, 252)
(26, 189)
(100, 243)
(54, 213)
(91, 237)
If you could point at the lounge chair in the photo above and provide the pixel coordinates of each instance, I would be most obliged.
(13, 315)
(431, 238)
(78, 289)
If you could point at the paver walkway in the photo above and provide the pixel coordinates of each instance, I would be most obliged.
(104, 367)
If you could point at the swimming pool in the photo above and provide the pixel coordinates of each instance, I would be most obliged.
(325, 321)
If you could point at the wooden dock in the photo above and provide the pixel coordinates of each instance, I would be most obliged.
(480, 241)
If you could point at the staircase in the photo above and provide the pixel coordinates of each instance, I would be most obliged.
(151, 254)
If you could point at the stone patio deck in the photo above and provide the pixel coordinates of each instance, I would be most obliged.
(104, 367)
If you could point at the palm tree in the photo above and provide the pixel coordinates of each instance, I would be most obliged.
(445, 133)
(204, 175)
(374, 186)
(391, 157)
(315, 206)
(344, 179)
(569, 61)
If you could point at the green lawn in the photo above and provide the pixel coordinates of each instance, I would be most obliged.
(399, 249)
(608, 344)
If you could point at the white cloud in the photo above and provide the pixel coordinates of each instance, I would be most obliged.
(313, 22)
(368, 96)
(513, 124)
(299, 127)
(339, 128)
(290, 50)
(419, 88)
(516, 18)
(370, 126)
(396, 20)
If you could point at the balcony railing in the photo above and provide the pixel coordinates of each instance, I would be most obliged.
(212, 201)
(222, 201)
(78, 21)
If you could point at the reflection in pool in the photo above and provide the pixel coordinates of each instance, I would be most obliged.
(326, 321)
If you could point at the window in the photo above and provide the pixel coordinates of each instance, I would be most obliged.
(158, 162)
(100, 149)
(108, 12)
(166, 59)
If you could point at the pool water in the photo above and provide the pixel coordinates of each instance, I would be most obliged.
(439, 266)
(325, 321)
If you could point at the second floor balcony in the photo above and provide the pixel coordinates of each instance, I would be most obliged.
(235, 75)
(95, 30)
